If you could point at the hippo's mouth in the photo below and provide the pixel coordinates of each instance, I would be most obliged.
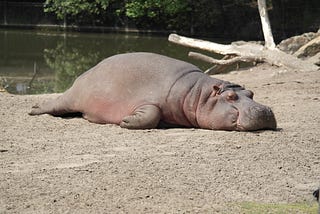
(238, 125)
(236, 122)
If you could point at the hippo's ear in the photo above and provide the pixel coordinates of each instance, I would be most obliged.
(216, 90)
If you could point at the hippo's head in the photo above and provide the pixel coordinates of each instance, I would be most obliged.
(234, 109)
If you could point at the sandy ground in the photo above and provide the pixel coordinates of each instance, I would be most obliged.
(55, 165)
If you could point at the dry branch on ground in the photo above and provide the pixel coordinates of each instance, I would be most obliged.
(248, 52)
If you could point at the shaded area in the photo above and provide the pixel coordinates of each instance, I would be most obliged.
(215, 18)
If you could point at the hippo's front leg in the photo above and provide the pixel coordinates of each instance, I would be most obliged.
(144, 117)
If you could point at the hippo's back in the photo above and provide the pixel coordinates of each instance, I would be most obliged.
(146, 67)
(123, 82)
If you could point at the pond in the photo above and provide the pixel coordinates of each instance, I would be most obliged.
(33, 62)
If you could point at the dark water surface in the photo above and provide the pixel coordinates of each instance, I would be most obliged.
(33, 62)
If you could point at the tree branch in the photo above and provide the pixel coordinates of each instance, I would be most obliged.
(315, 59)
(203, 45)
(231, 61)
(311, 48)
(218, 69)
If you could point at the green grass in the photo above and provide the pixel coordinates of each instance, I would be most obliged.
(253, 207)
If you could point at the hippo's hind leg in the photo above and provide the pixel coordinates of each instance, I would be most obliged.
(56, 107)
(144, 117)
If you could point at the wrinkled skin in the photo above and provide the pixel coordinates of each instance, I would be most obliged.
(145, 90)
(236, 110)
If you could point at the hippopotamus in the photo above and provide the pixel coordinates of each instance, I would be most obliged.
(147, 90)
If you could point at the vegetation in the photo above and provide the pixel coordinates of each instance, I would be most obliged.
(76, 8)
(228, 18)
(150, 13)
(155, 8)
(252, 207)
(68, 63)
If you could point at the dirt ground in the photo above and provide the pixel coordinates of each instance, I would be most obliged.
(56, 165)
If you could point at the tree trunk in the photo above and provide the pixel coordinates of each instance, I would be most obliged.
(5, 8)
(266, 27)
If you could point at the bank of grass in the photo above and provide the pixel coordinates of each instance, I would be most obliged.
(254, 207)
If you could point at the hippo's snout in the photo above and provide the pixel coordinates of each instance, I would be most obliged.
(257, 117)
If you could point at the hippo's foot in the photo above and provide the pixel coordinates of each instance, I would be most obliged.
(144, 117)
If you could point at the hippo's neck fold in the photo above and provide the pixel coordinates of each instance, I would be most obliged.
(186, 96)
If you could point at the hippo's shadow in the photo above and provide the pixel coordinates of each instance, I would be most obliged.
(70, 115)
(161, 125)
(264, 130)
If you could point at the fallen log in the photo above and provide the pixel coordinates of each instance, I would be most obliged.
(309, 49)
(245, 51)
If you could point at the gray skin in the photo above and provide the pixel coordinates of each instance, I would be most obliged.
(143, 90)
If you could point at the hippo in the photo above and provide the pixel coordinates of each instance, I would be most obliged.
(147, 90)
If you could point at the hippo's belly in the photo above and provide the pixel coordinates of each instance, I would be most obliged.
(112, 110)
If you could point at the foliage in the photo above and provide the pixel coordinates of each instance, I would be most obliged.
(153, 8)
(75, 7)
(185, 15)
(228, 18)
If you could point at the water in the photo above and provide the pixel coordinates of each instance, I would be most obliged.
(34, 62)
